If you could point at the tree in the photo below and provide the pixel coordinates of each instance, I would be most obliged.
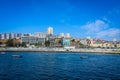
(10, 43)
(47, 43)
(73, 40)
(59, 42)
(18, 44)
(23, 44)
(115, 45)
(0, 43)
(81, 45)
(36, 44)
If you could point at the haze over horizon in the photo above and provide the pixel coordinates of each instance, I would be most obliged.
(80, 18)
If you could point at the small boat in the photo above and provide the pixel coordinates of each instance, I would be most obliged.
(3, 53)
(16, 56)
(83, 57)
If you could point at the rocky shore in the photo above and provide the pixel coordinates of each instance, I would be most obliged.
(21, 49)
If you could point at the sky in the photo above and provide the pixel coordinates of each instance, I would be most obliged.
(80, 18)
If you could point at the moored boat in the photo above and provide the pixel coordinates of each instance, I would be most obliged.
(16, 56)
(83, 57)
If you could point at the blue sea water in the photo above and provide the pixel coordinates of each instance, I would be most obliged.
(59, 66)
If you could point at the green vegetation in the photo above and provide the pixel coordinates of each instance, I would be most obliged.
(99, 47)
(81, 45)
(10, 43)
(73, 40)
(36, 44)
(23, 44)
(60, 42)
(47, 43)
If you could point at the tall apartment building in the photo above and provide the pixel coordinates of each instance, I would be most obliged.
(2, 36)
(10, 35)
(7, 36)
(50, 31)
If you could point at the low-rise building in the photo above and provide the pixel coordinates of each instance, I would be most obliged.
(32, 40)
(29, 39)
(25, 39)
(58, 42)
(85, 42)
(41, 41)
(65, 41)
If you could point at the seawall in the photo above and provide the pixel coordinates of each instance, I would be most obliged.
(21, 49)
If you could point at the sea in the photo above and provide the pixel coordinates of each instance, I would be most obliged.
(59, 66)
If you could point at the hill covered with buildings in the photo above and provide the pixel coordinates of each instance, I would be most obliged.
(49, 39)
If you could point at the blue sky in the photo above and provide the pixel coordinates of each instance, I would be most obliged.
(80, 18)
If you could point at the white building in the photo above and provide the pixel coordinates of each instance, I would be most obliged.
(32, 39)
(2, 36)
(67, 35)
(83, 41)
(62, 35)
(10, 35)
(17, 35)
(50, 30)
(40, 35)
(7, 36)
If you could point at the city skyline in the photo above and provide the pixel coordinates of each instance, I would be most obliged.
(80, 18)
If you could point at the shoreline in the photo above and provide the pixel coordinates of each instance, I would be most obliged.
(78, 50)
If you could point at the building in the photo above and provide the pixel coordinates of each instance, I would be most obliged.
(51, 38)
(58, 42)
(32, 40)
(65, 42)
(118, 45)
(2, 36)
(10, 36)
(19, 35)
(84, 42)
(50, 31)
(7, 36)
(40, 35)
(27, 34)
(41, 41)
(29, 39)
(67, 35)
(25, 39)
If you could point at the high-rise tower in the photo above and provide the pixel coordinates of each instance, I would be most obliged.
(50, 31)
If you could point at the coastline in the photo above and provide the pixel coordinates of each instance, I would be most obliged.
(44, 49)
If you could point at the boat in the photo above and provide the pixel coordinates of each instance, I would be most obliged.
(3, 53)
(16, 56)
(83, 57)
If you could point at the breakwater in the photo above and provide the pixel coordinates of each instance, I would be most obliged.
(44, 49)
